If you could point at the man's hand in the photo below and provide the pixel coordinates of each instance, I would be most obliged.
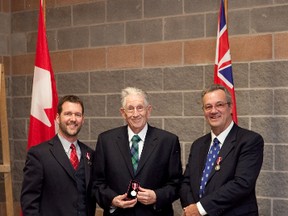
(191, 210)
(146, 196)
(121, 201)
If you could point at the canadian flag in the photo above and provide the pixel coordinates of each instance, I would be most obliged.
(44, 93)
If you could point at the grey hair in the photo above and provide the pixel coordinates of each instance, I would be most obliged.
(133, 91)
(215, 87)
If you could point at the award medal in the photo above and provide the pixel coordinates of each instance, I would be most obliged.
(133, 193)
(217, 167)
(134, 189)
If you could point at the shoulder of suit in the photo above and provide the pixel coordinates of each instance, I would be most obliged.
(161, 131)
(83, 145)
(42, 146)
(203, 139)
(114, 131)
(246, 132)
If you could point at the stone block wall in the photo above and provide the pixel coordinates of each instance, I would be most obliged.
(166, 47)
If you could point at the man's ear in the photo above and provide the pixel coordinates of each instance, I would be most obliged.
(149, 110)
(122, 111)
(57, 118)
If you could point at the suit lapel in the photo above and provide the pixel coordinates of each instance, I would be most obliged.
(123, 145)
(151, 141)
(228, 145)
(59, 153)
(86, 157)
(229, 142)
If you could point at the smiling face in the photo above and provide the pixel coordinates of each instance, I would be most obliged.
(136, 112)
(70, 120)
(217, 110)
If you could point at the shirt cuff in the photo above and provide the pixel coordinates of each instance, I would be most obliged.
(201, 209)
(112, 209)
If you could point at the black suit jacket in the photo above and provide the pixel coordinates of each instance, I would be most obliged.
(49, 185)
(159, 169)
(231, 190)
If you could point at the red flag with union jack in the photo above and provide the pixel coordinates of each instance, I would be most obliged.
(44, 93)
(223, 64)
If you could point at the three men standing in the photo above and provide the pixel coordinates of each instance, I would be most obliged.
(137, 168)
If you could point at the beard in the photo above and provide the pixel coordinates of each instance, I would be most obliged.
(64, 128)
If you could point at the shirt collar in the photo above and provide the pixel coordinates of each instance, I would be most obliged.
(222, 136)
(141, 134)
(66, 144)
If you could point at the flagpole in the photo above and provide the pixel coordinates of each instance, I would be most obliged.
(226, 11)
(44, 10)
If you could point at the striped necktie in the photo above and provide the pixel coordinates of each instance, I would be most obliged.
(73, 157)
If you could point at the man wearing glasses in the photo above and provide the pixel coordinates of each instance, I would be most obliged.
(138, 170)
(223, 165)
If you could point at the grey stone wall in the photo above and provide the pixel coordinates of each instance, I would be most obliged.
(167, 48)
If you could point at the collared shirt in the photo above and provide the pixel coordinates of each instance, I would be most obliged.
(66, 145)
(141, 134)
(221, 137)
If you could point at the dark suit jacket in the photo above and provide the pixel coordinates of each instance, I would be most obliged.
(49, 185)
(231, 190)
(159, 169)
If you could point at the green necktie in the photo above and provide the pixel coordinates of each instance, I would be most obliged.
(135, 151)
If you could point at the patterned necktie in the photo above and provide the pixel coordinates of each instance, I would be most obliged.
(73, 157)
(211, 157)
(135, 151)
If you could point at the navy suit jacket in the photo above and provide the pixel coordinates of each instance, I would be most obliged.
(231, 190)
(159, 169)
(49, 185)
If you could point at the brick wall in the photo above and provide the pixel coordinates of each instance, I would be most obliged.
(166, 47)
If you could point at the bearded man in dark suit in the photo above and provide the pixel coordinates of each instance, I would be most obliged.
(51, 185)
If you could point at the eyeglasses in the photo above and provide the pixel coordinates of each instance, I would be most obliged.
(218, 106)
(131, 109)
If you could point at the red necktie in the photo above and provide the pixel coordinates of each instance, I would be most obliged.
(73, 157)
